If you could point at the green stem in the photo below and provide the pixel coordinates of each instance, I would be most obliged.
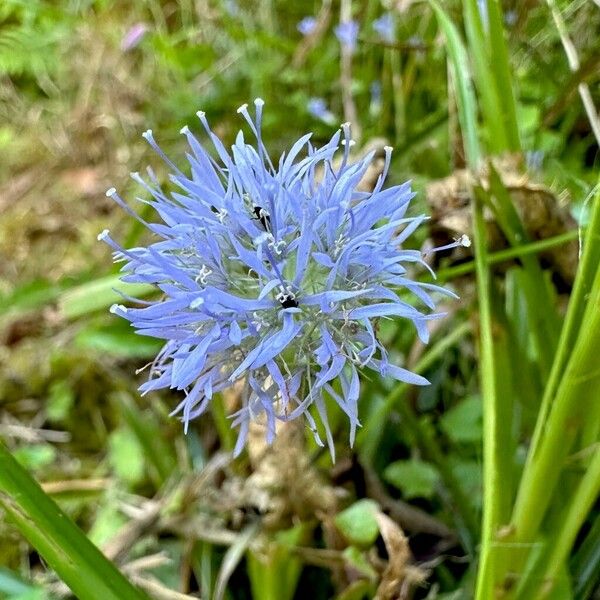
(492, 470)
(88, 573)
(508, 254)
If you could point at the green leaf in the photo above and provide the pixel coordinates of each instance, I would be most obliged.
(117, 339)
(465, 97)
(60, 401)
(12, 585)
(463, 423)
(99, 294)
(357, 560)
(126, 455)
(415, 478)
(358, 524)
(35, 456)
(65, 548)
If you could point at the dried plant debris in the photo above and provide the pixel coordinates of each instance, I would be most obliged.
(542, 212)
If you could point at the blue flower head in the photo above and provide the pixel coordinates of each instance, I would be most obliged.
(317, 107)
(384, 26)
(307, 25)
(347, 34)
(273, 277)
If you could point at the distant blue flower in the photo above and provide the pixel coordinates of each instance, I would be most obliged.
(317, 107)
(534, 159)
(307, 25)
(375, 89)
(273, 275)
(510, 18)
(384, 26)
(347, 34)
(134, 36)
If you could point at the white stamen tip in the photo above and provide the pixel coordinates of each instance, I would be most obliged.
(116, 308)
(184, 130)
(388, 149)
(111, 192)
(147, 134)
(200, 114)
(242, 108)
(134, 174)
(346, 125)
(259, 102)
(196, 303)
(102, 235)
(465, 240)
(350, 143)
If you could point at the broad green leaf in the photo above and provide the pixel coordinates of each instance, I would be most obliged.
(126, 455)
(414, 478)
(463, 423)
(358, 523)
(35, 456)
(60, 401)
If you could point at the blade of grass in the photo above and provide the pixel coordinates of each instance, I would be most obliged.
(160, 456)
(98, 294)
(497, 141)
(499, 65)
(585, 565)
(544, 576)
(543, 318)
(88, 573)
(567, 412)
(467, 106)
(590, 260)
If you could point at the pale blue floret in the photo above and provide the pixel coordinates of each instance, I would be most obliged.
(273, 276)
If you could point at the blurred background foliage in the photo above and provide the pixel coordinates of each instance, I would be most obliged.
(79, 82)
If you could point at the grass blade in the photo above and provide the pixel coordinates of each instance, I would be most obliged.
(58, 540)
(467, 106)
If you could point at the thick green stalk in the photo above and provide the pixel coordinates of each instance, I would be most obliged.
(58, 540)
(493, 502)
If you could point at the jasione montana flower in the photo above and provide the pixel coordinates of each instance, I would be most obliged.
(274, 276)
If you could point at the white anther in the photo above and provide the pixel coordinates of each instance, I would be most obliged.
(350, 143)
(242, 108)
(259, 102)
(200, 114)
(204, 273)
(465, 240)
(116, 308)
(102, 235)
(221, 215)
(147, 134)
(184, 130)
(388, 149)
(111, 192)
